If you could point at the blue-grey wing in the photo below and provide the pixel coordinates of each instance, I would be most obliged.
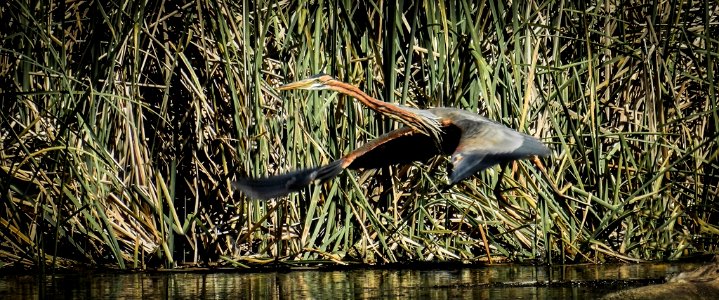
(485, 144)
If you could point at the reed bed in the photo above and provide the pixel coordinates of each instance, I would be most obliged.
(123, 124)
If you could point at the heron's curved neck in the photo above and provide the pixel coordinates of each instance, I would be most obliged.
(358, 94)
(421, 121)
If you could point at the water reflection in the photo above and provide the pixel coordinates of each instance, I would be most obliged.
(495, 282)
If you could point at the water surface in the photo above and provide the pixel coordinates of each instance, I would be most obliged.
(481, 282)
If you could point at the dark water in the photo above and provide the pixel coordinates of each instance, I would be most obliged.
(488, 282)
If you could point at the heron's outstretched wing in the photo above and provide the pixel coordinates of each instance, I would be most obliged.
(280, 185)
(484, 144)
(399, 146)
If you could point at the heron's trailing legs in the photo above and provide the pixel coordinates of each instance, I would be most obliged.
(498, 186)
(537, 162)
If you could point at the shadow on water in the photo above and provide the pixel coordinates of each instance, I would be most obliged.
(486, 282)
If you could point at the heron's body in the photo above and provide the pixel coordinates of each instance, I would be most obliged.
(475, 143)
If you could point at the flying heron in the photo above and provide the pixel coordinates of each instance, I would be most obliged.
(475, 143)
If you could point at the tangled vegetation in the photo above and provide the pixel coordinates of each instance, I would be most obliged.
(123, 124)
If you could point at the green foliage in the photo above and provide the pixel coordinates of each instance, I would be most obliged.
(123, 124)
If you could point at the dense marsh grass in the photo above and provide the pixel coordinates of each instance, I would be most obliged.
(123, 124)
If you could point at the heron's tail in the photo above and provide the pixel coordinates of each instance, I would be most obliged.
(280, 185)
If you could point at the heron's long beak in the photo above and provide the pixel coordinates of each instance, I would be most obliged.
(298, 85)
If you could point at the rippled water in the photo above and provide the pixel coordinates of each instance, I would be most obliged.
(487, 282)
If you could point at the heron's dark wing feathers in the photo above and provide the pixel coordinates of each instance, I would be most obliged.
(400, 146)
(280, 185)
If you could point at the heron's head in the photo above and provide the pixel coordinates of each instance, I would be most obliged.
(315, 82)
